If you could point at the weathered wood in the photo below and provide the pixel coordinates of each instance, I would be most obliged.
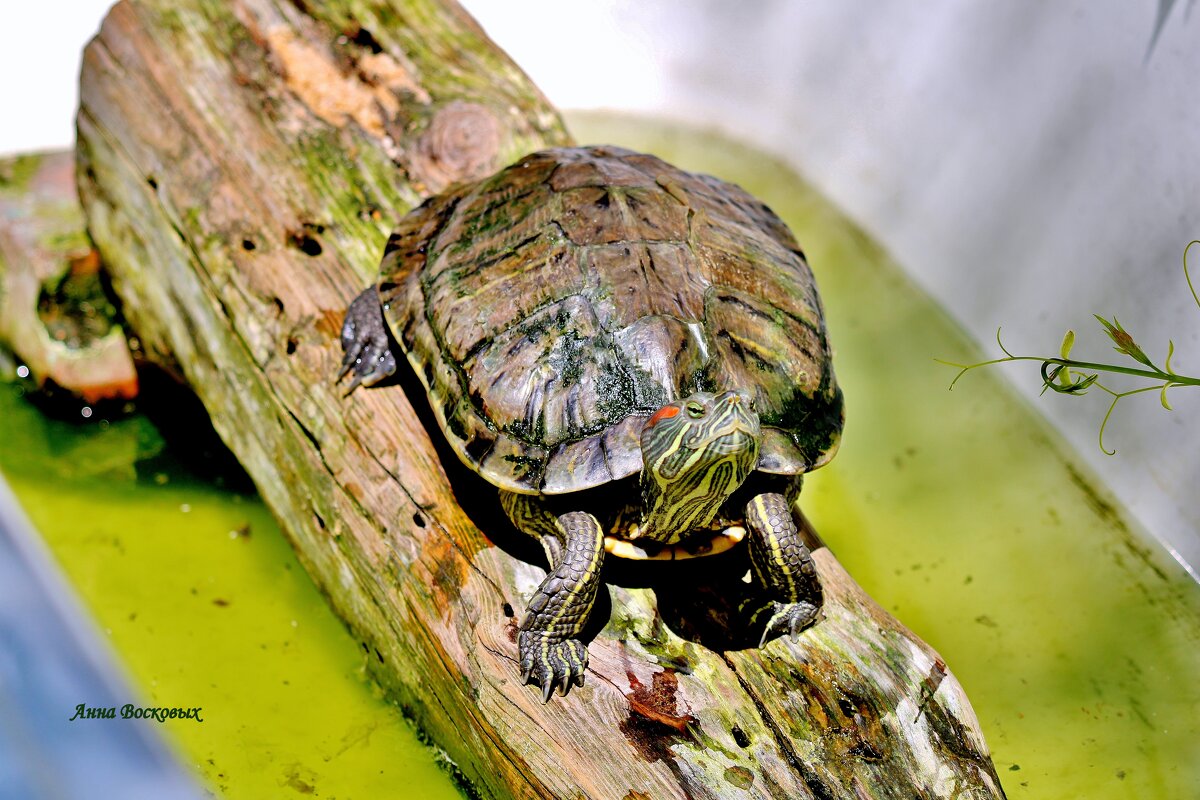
(44, 249)
(241, 165)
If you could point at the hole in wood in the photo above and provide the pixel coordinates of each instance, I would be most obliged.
(305, 240)
(308, 245)
(364, 38)
(740, 737)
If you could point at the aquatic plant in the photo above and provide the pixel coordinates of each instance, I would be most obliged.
(1057, 372)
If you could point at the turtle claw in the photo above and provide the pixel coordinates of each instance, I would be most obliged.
(788, 618)
(551, 662)
(370, 367)
(365, 340)
(354, 384)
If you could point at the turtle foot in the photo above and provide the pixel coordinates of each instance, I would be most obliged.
(788, 618)
(551, 662)
(365, 342)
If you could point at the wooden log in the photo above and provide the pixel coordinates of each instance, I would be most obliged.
(241, 165)
(53, 313)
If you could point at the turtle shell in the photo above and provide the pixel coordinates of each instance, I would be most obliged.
(550, 308)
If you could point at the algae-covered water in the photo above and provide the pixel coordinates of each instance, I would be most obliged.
(961, 512)
(207, 606)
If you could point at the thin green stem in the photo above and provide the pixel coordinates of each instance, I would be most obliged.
(1185, 270)
(1119, 395)
(1182, 380)
(1116, 398)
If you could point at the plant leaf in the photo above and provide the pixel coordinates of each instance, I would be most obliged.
(1187, 276)
(1160, 22)
(1077, 385)
(1081, 386)
(1123, 341)
(1064, 375)
(1067, 344)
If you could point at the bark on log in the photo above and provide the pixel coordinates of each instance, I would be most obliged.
(53, 314)
(241, 165)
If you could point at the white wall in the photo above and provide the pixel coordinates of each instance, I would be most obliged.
(40, 48)
(1026, 161)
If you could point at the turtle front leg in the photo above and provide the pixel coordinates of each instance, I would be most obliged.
(783, 565)
(366, 343)
(551, 653)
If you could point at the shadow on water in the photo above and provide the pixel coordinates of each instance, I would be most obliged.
(191, 440)
(188, 445)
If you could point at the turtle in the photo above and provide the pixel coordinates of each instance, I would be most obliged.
(594, 318)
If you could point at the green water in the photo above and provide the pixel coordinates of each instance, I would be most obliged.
(207, 606)
(960, 512)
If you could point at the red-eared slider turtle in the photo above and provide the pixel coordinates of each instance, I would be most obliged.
(593, 315)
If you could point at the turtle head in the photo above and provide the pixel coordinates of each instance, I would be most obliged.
(695, 453)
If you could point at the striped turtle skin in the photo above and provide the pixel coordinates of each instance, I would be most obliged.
(550, 309)
(634, 355)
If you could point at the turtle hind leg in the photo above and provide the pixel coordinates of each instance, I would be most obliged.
(783, 566)
(551, 653)
(366, 342)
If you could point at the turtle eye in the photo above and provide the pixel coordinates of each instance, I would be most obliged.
(695, 410)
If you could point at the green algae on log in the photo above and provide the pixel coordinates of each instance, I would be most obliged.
(53, 312)
(241, 165)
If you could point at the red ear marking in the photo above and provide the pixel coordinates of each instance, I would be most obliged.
(666, 412)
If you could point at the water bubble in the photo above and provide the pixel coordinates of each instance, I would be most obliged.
(86, 411)
(22, 371)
